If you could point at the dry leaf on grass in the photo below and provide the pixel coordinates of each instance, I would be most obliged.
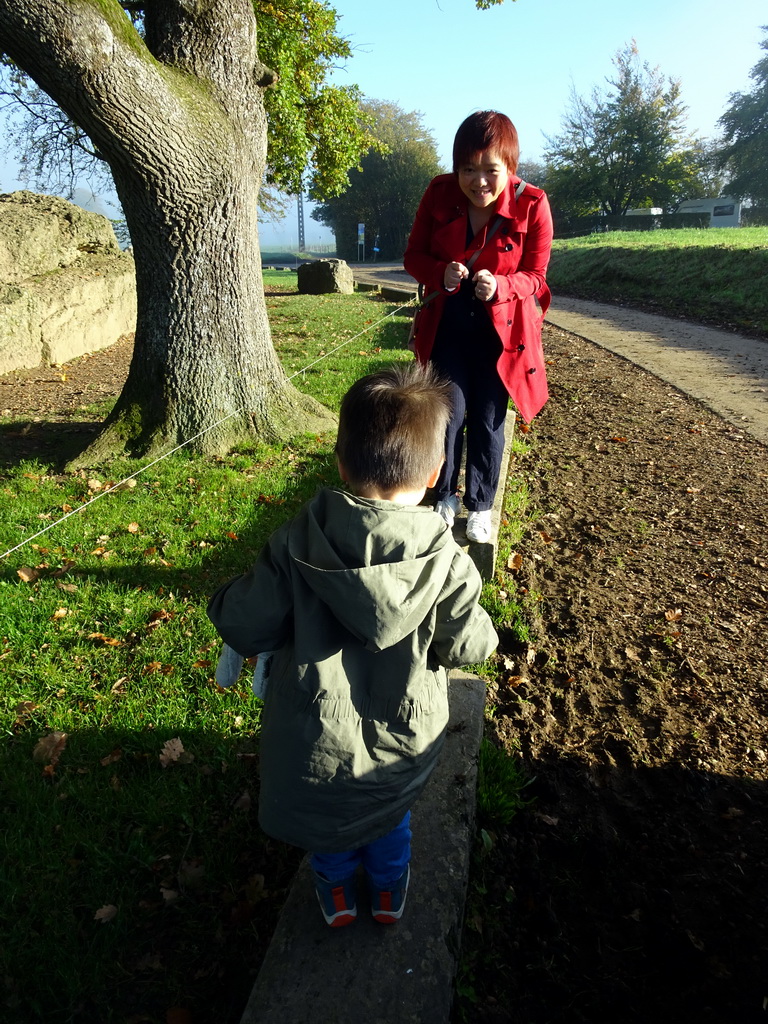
(107, 640)
(49, 749)
(173, 752)
(28, 574)
(105, 913)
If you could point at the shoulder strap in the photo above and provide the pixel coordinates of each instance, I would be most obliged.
(520, 188)
(489, 234)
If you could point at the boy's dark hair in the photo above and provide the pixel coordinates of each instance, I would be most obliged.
(392, 427)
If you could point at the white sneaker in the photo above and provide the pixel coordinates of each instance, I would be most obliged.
(479, 527)
(448, 508)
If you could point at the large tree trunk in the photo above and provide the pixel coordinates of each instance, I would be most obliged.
(181, 121)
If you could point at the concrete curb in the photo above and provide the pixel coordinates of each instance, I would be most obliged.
(401, 974)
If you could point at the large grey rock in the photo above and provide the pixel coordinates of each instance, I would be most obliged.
(323, 276)
(41, 234)
(65, 286)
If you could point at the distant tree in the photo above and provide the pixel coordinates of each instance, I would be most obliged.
(744, 155)
(384, 191)
(624, 147)
(534, 172)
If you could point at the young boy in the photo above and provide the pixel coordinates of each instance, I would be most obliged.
(365, 599)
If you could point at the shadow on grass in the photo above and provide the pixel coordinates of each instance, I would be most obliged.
(176, 850)
(55, 442)
(192, 888)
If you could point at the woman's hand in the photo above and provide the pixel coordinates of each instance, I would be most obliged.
(454, 274)
(485, 285)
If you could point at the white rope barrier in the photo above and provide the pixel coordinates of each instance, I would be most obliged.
(238, 412)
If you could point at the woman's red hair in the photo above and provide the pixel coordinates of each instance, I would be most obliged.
(487, 129)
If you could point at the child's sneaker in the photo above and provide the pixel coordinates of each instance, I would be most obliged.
(387, 905)
(337, 900)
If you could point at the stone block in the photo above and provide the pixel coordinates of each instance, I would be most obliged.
(65, 286)
(322, 277)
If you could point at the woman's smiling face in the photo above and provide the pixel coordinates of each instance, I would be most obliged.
(483, 179)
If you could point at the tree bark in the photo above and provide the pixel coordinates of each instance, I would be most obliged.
(180, 119)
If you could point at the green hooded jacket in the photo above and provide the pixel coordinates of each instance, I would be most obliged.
(365, 603)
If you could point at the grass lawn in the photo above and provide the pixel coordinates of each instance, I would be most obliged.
(134, 880)
(717, 274)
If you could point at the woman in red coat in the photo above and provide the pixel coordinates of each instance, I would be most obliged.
(480, 246)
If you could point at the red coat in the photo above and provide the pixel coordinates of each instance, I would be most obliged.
(517, 255)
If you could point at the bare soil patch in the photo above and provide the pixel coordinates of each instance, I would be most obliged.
(635, 888)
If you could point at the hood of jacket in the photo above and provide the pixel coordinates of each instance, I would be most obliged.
(380, 574)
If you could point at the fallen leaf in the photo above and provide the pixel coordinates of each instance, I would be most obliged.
(132, 527)
(545, 536)
(243, 802)
(68, 588)
(105, 913)
(673, 614)
(108, 641)
(191, 872)
(60, 613)
(50, 748)
(515, 562)
(169, 895)
(111, 758)
(94, 484)
(547, 819)
(159, 615)
(27, 574)
(173, 752)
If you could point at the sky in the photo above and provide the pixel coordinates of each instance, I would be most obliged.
(445, 59)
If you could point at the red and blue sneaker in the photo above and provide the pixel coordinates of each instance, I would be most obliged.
(387, 905)
(337, 900)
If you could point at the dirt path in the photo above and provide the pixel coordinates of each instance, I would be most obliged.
(636, 888)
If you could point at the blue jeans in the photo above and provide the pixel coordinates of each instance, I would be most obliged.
(384, 860)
